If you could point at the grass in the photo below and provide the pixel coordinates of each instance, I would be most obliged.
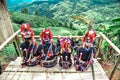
(56, 31)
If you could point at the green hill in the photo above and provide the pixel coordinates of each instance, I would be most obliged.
(38, 23)
(102, 10)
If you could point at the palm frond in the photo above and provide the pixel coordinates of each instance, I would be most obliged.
(116, 20)
(114, 26)
(81, 18)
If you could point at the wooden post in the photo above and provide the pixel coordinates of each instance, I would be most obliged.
(99, 46)
(17, 40)
(115, 67)
(16, 48)
(18, 44)
(93, 74)
(0, 68)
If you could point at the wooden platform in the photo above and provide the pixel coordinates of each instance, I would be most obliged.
(15, 72)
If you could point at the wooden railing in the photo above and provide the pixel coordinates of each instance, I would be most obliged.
(15, 41)
(9, 39)
(101, 38)
(16, 37)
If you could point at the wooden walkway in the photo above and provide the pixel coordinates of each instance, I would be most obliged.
(15, 72)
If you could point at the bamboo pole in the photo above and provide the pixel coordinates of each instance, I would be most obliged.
(114, 69)
(111, 44)
(98, 47)
(16, 48)
(8, 40)
(18, 44)
(93, 72)
(17, 40)
(37, 36)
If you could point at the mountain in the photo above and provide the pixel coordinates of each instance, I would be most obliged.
(101, 10)
(13, 3)
(104, 1)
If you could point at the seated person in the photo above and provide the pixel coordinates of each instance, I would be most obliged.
(84, 56)
(28, 46)
(65, 51)
(46, 49)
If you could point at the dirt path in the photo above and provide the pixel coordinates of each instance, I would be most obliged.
(108, 68)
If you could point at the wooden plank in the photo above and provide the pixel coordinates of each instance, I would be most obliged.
(13, 66)
(19, 59)
(17, 76)
(24, 69)
(26, 76)
(4, 75)
(42, 73)
(88, 76)
(39, 76)
(10, 66)
(37, 68)
(10, 76)
(49, 70)
(101, 71)
(57, 68)
(17, 63)
(54, 76)
(71, 76)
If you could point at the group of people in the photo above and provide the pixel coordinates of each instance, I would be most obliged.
(47, 54)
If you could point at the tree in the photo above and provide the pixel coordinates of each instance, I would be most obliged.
(24, 11)
(116, 29)
(36, 13)
(71, 25)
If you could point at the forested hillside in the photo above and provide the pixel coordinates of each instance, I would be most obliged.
(56, 14)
